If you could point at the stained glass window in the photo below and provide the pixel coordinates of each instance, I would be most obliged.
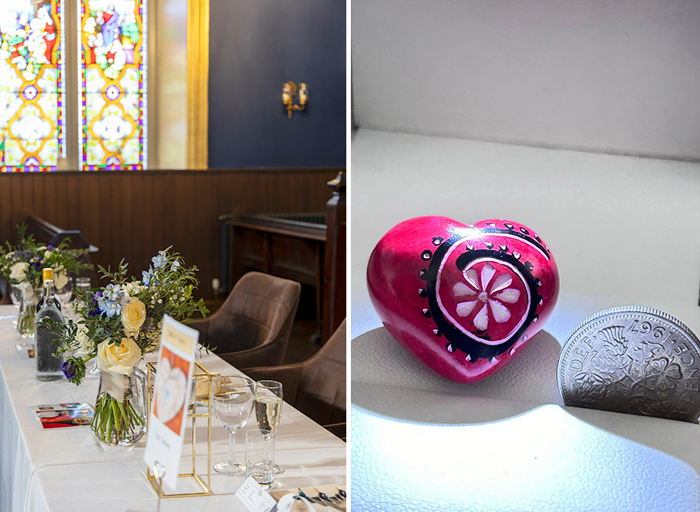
(32, 85)
(113, 59)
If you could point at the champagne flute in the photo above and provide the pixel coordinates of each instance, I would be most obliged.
(268, 408)
(233, 402)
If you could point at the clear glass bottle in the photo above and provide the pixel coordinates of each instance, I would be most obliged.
(48, 366)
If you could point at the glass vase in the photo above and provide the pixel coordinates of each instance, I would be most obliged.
(27, 311)
(121, 408)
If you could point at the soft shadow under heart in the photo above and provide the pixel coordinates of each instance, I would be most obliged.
(387, 380)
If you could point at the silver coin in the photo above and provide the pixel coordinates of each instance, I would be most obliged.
(634, 360)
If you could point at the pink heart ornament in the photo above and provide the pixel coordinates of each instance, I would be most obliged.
(463, 299)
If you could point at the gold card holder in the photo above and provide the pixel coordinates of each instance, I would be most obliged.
(201, 398)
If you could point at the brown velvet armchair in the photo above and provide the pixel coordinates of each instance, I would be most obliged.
(316, 386)
(252, 326)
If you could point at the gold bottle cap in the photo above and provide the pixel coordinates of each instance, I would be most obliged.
(48, 274)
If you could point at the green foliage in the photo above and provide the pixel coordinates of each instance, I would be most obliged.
(166, 288)
(37, 257)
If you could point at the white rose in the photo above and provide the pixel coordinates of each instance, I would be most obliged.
(133, 316)
(118, 358)
(47, 255)
(132, 289)
(18, 271)
(60, 280)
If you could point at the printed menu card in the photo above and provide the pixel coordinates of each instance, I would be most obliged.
(166, 429)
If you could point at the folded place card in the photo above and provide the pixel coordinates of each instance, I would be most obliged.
(254, 497)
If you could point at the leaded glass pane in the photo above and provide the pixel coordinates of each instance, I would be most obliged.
(32, 86)
(113, 130)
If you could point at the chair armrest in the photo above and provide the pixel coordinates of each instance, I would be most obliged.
(201, 325)
(337, 429)
(289, 375)
(262, 355)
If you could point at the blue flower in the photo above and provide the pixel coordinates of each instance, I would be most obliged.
(95, 310)
(49, 247)
(111, 293)
(174, 266)
(146, 279)
(68, 369)
(108, 300)
(110, 308)
(159, 261)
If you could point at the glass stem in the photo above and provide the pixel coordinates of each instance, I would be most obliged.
(232, 447)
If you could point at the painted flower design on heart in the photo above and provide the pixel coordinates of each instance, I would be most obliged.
(486, 296)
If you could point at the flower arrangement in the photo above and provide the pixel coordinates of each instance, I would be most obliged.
(122, 321)
(22, 265)
(117, 326)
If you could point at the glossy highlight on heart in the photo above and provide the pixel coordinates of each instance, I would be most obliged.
(463, 299)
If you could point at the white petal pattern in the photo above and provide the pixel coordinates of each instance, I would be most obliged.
(500, 312)
(481, 320)
(487, 272)
(472, 278)
(511, 296)
(464, 308)
(503, 281)
(498, 297)
(462, 290)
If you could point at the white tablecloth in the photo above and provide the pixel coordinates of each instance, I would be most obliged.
(67, 469)
(623, 231)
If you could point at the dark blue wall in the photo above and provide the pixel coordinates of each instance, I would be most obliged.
(255, 47)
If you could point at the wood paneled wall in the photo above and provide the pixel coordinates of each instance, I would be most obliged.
(132, 215)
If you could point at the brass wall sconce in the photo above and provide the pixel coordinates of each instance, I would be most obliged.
(289, 90)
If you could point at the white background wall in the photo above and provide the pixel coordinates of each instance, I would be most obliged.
(616, 76)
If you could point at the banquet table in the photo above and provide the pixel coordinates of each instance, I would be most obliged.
(64, 469)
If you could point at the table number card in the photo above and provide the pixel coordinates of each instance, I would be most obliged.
(254, 497)
(166, 429)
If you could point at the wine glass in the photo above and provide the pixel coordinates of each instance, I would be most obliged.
(83, 283)
(65, 294)
(16, 296)
(268, 408)
(233, 397)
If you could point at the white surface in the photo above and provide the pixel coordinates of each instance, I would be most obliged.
(608, 76)
(623, 231)
(59, 470)
(541, 461)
